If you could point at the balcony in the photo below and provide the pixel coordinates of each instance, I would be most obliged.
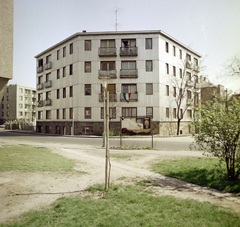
(107, 73)
(133, 97)
(40, 103)
(128, 51)
(48, 84)
(48, 65)
(128, 73)
(112, 97)
(39, 69)
(40, 86)
(48, 102)
(107, 51)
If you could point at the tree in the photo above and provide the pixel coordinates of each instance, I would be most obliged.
(233, 66)
(185, 89)
(217, 131)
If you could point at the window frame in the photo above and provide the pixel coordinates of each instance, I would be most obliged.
(87, 115)
(149, 69)
(148, 108)
(87, 47)
(71, 48)
(87, 89)
(148, 45)
(87, 66)
(149, 86)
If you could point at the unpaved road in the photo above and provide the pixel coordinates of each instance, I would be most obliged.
(21, 192)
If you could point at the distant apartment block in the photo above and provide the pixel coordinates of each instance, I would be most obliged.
(6, 43)
(139, 65)
(18, 102)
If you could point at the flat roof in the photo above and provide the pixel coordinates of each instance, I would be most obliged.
(85, 33)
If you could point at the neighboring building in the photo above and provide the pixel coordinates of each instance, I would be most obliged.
(139, 64)
(18, 102)
(6, 44)
(210, 91)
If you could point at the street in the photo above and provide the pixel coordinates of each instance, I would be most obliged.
(180, 143)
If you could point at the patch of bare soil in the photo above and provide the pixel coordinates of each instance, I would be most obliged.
(21, 192)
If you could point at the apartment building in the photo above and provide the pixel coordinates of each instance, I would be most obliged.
(6, 44)
(139, 65)
(18, 102)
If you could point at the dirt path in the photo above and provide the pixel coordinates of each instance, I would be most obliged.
(21, 192)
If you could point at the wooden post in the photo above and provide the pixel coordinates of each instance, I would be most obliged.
(107, 142)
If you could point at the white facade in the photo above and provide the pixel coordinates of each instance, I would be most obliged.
(79, 61)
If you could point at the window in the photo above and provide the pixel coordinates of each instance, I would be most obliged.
(106, 66)
(58, 54)
(128, 65)
(57, 114)
(7, 113)
(167, 112)
(48, 59)
(129, 112)
(129, 88)
(188, 76)
(7, 98)
(149, 111)
(2, 114)
(87, 113)
(58, 74)
(128, 42)
(174, 92)
(195, 62)
(181, 113)
(174, 71)
(20, 90)
(40, 62)
(174, 51)
(108, 43)
(180, 73)
(148, 43)
(64, 71)
(71, 48)
(70, 113)
(8, 106)
(149, 89)
(188, 56)
(112, 112)
(70, 69)
(64, 92)
(40, 79)
(174, 113)
(48, 114)
(167, 68)
(64, 51)
(64, 113)
(58, 93)
(166, 47)
(48, 95)
(180, 54)
(189, 94)
(189, 113)
(40, 115)
(48, 77)
(7, 89)
(167, 90)
(87, 68)
(71, 91)
(20, 98)
(149, 66)
(87, 45)
(20, 105)
(3, 106)
(87, 89)
(196, 78)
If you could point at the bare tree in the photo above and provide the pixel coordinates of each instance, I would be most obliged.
(186, 89)
(233, 66)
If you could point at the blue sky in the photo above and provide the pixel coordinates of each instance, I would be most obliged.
(210, 27)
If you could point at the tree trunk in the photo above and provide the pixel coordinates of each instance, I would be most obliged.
(178, 126)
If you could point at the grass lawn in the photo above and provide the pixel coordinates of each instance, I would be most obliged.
(128, 206)
(32, 159)
(202, 171)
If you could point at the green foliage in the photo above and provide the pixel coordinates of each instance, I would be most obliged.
(121, 156)
(128, 206)
(217, 131)
(202, 171)
(32, 159)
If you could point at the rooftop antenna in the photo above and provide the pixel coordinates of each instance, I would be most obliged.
(116, 14)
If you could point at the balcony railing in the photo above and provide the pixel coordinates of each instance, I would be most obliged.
(107, 51)
(48, 84)
(133, 97)
(107, 73)
(40, 86)
(128, 51)
(128, 73)
(48, 102)
(112, 97)
(40, 103)
(48, 65)
(39, 69)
